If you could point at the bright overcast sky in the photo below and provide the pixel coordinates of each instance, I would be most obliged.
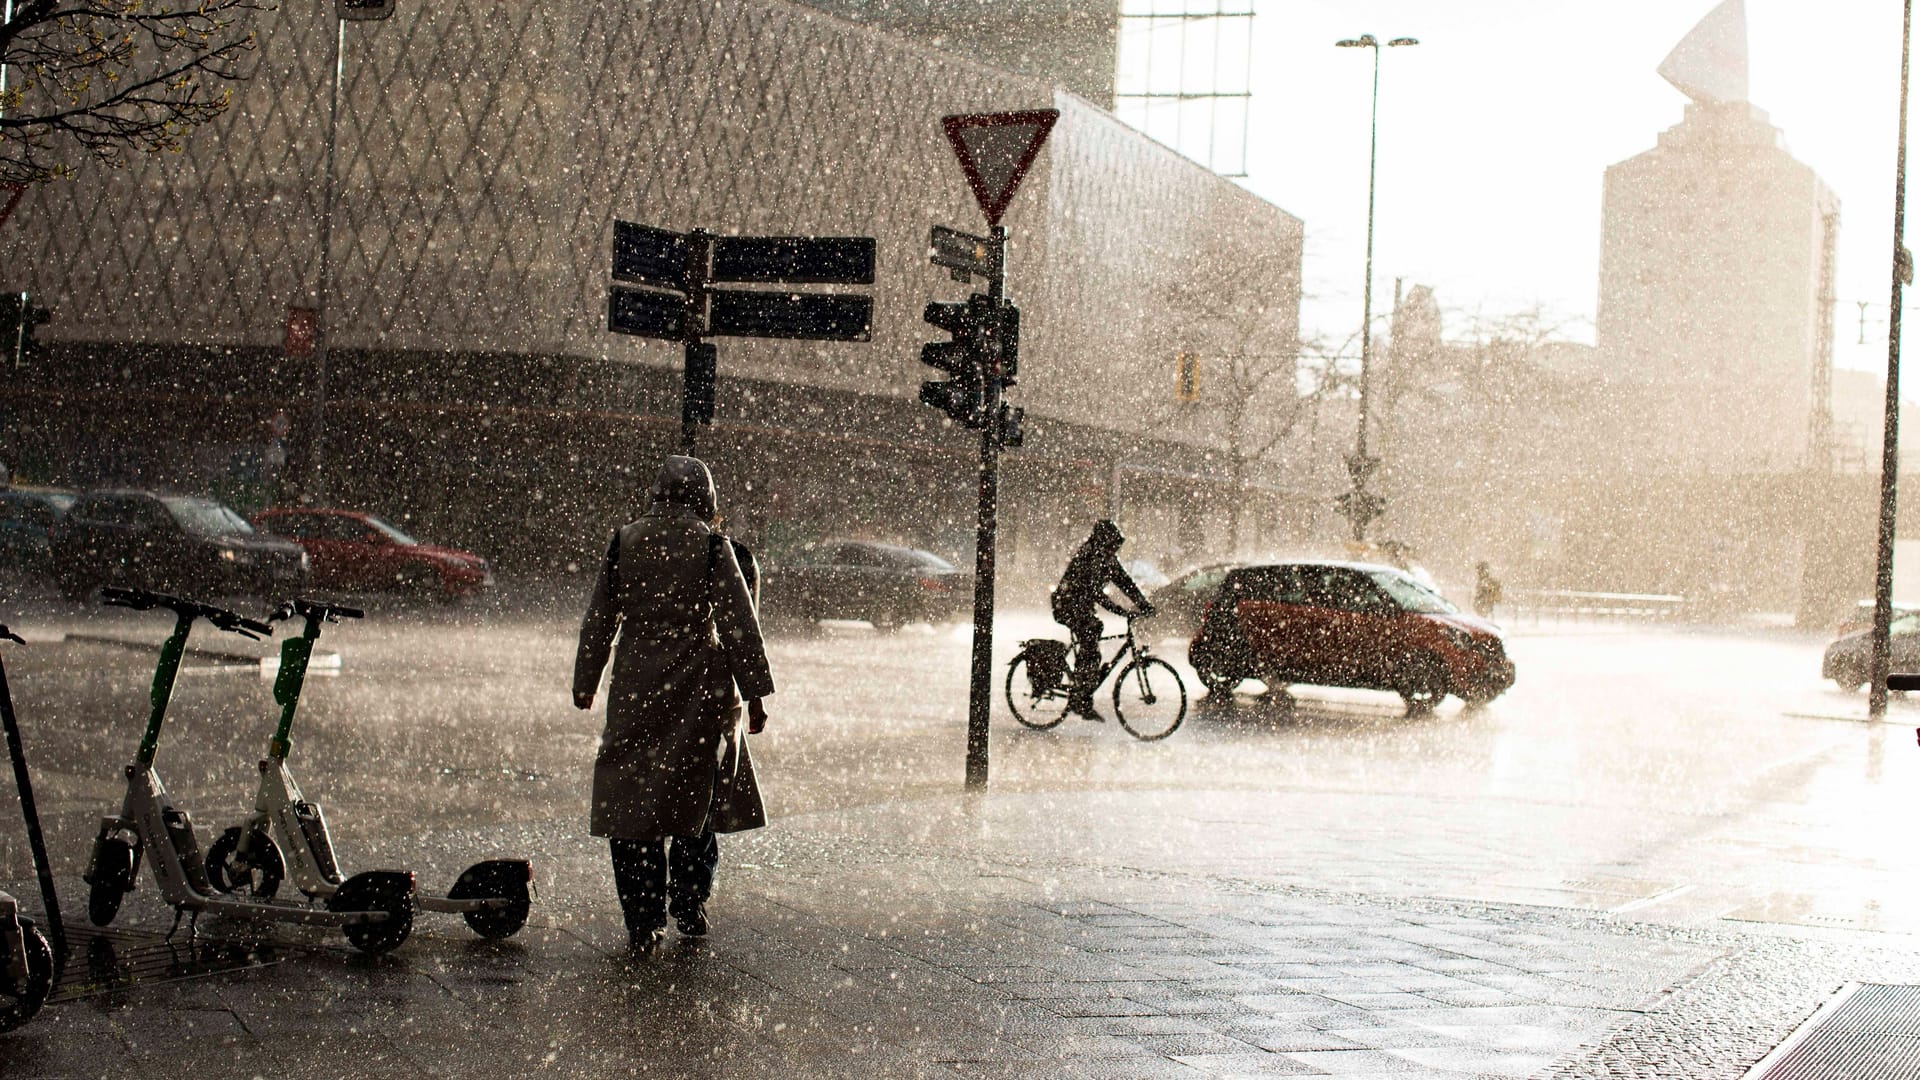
(1495, 131)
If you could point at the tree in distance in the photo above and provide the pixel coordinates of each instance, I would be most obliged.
(102, 80)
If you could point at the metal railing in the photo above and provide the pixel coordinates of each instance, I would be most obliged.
(1540, 605)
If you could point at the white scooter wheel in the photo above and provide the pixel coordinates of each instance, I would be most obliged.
(21, 999)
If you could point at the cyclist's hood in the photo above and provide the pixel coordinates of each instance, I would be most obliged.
(1106, 535)
(685, 481)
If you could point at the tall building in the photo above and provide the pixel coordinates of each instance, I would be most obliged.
(1715, 313)
(471, 388)
(1069, 43)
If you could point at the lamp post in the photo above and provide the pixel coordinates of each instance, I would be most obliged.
(344, 11)
(1360, 505)
(1880, 661)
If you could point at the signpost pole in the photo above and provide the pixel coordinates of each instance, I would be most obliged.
(699, 355)
(980, 695)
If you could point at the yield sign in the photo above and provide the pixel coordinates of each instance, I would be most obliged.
(995, 150)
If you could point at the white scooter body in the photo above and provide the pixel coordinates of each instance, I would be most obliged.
(300, 827)
(177, 867)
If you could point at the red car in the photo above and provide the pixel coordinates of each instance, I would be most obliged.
(353, 551)
(1347, 624)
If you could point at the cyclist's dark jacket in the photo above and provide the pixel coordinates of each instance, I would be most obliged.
(1089, 572)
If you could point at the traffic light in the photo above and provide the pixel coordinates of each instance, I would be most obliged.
(18, 321)
(362, 10)
(964, 396)
(31, 318)
(1361, 506)
(999, 321)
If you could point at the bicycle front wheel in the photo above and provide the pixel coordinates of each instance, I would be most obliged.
(1150, 699)
(1038, 711)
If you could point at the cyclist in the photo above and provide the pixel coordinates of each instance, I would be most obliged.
(1082, 590)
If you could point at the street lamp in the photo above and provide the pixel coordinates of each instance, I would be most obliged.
(1360, 505)
(344, 11)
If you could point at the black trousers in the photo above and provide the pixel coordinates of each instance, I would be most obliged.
(655, 877)
(1086, 651)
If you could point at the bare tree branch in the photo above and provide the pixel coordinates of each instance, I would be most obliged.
(102, 81)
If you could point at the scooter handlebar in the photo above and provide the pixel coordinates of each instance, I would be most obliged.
(314, 609)
(8, 635)
(145, 600)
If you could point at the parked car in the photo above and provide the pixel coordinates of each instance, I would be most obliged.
(1180, 603)
(1861, 617)
(1347, 624)
(28, 519)
(881, 583)
(1848, 661)
(354, 551)
(175, 543)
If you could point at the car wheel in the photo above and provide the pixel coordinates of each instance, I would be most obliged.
(1424, 686)
(1220, 684)
(1850, 681)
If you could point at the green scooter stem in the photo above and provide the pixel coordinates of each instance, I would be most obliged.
(164, 675)
(294, 655)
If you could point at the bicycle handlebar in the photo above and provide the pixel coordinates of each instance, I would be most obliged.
(8, 635)
(221, 618)
(314, 609)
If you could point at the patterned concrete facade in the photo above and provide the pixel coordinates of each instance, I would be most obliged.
(484, 152)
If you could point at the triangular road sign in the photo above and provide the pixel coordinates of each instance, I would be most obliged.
(995, 150)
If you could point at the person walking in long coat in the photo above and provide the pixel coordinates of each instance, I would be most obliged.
(673, 768)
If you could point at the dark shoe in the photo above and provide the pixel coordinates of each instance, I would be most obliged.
(1085, 708)
(692, 923)
(646, 939)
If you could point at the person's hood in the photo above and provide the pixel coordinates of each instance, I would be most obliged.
(686, 483)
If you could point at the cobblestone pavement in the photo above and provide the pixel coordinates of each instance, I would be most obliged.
(843, 948)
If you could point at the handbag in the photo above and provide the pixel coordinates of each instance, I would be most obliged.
(730, 744)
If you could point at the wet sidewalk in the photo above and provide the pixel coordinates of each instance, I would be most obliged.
(925, 938)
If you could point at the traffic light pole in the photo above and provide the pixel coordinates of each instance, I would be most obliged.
(697, 376)
(980, 697)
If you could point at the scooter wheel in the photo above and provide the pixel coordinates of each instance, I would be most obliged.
(257, 874)
(19, 1000)
(111, 879)
(505, 879)
(376, 891)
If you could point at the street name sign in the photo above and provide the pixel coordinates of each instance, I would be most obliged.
(795, 316)
(646, 313)
(995, 151)
(794, 260)
(964, 254)
(649, 256)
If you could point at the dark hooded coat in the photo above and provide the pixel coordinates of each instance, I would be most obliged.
(673, 760)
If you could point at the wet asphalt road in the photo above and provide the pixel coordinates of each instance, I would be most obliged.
(1670, 774)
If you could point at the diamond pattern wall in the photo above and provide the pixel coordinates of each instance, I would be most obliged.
(485, 148)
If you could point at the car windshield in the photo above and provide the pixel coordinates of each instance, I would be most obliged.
(204, 517)
(393, 532)
(1411, 595)
(924, 560)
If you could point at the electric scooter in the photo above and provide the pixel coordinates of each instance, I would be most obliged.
(493, 896)
(374, 909)
(28, 962)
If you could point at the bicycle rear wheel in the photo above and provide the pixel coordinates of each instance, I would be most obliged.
(1150, 699)
(1038, 711)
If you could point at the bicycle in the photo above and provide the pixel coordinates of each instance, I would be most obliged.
(1149, 697)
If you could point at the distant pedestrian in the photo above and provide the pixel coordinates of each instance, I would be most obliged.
(673, 768)
(1487, 593)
